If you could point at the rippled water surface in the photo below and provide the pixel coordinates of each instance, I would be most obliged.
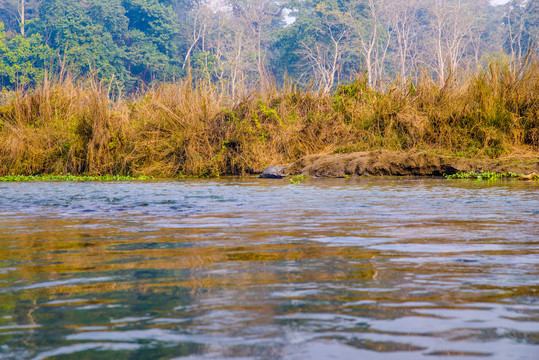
(265, 269)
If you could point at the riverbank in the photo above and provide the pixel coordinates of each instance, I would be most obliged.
(390, 163)
(76, 127)
(367, 163)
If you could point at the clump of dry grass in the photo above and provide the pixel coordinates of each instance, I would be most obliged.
(66, 126)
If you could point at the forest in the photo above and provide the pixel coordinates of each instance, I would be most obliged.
(238, 45)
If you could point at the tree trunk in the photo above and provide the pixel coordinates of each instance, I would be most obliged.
(21, 13)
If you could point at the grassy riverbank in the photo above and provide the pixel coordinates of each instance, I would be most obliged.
(67, 127)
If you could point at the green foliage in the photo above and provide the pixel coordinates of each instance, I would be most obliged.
(483, 175)
(69, 177)
(118, 41)
(296, 180)
(150, 44)
(22, 60)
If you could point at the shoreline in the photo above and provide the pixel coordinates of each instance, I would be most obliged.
(394, 163)
(377, 163)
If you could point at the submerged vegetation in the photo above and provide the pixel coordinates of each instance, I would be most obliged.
(186, 128)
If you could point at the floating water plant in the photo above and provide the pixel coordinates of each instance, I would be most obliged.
(484, 175)
(297, 179)
(69, 177)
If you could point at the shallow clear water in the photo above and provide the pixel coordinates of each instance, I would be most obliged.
(264, 269)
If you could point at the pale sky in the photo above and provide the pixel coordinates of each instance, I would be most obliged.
(498, 2)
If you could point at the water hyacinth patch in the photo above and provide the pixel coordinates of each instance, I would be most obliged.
(484, 175)
(69, 177)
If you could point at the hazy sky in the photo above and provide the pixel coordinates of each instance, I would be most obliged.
(498, 2)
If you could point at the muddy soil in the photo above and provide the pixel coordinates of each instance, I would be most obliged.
(389, 163)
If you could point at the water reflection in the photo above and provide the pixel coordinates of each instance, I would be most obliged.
(245, 268)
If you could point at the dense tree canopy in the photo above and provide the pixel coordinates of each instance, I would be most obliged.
(22, 59)
(237, 44)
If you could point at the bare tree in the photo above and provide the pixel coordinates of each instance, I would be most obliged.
(521, 23)
(16, 11)
(372, 35)
(228, 41)
(400, 14)
(197, 29)
(515, 28)
(323, 55)
(21, 11)
(21, 15)
(257, 16)
(451, 30)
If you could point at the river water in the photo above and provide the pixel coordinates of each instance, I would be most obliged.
(265, 269)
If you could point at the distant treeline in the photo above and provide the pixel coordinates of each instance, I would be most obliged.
(72, 127)
(237, 45)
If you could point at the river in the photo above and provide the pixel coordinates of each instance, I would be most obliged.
(243, 268)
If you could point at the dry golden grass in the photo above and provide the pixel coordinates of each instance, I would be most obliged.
(68, 126)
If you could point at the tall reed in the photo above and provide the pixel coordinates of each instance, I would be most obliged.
(80, 127)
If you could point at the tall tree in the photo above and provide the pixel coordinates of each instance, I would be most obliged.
(19, 11)
(150, 43)
(401, 15)
(324, 50)
(372, 35)
(120, 40)
(22, 60)
(521, 21)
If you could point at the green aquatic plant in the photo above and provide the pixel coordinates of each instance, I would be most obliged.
(483, 175)
(69, 177)
(297, 179)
